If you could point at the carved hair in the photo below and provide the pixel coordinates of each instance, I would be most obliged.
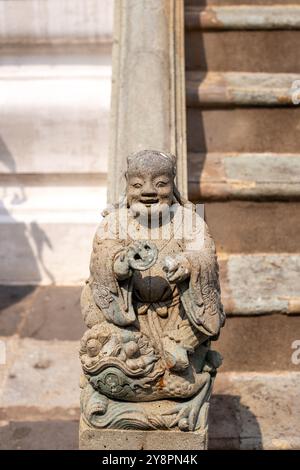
(147, 157)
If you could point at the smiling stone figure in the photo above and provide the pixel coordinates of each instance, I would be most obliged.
(152, 307)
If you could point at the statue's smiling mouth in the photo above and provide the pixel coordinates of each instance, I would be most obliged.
(149, 201)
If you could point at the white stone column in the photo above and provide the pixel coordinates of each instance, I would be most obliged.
(55, 77)
(148, 92)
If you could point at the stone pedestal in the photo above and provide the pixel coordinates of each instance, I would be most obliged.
(120, 439)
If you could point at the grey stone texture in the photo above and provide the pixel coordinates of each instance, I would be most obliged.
(152, 305)
(119, 439)
(148, 87)
(247, 411)
(28, 312)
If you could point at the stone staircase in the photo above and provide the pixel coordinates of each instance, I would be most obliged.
(39, 385)
(244, 163)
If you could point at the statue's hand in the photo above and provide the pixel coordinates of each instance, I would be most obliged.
(177, 268)
(121, 266)
(140, 256)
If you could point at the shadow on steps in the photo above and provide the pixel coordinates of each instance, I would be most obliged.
(232, 425)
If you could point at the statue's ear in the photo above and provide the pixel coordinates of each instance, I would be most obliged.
(174, 163)
(130, 157)
(173, 158)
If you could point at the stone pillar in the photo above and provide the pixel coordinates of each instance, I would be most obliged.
(148, 89)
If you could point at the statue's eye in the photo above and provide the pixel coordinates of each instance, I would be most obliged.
(137, 185)
(161, 184)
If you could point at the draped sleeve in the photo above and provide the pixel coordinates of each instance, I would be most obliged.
(200, 294)
(111, 296)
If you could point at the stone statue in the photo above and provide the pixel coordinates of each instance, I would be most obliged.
(152, 307)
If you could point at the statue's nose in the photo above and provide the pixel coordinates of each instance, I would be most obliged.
(148, 190)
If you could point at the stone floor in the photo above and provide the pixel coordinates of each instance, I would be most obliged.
(39, 390)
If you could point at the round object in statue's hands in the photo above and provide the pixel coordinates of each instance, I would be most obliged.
(142, 255)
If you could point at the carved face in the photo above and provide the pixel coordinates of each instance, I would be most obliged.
(150, 182)
(150, 189)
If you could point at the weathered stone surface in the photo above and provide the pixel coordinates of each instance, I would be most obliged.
(244, 176)
(265, 408)
(153, 32)
(236, 2)
(269, 340)
(55, 110)
(41, 224)
(245, 17)
(243, 130)
(41, 312)
(254, 226)
(218, 89)
(55, 21)
(28, 311)
(119, 439)
(248, 410)
(41, 248)
(53, 314)
(257, 284)
(152, 306)
(211, 50)
(55, 74)
(34, 379)
(39, 435)
(9, 348)
(14, 300)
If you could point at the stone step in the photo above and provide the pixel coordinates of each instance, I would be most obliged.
(55, 21)
(188, 3)
(40, 380)
(254, 283)
(248, 51)
(48, 226)
(241, 89)
(253, 176)
(52, 313)
(39, 383)
(55, 116)
(242, 17)
(243, 130)
(39, 435)
(254, 226)
(41, 312)
(260, 283)
(36, 234)
(269, 343)
(249, 411)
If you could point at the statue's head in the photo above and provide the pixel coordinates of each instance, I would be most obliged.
(150, 179)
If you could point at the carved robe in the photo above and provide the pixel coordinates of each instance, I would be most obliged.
(176, 318)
